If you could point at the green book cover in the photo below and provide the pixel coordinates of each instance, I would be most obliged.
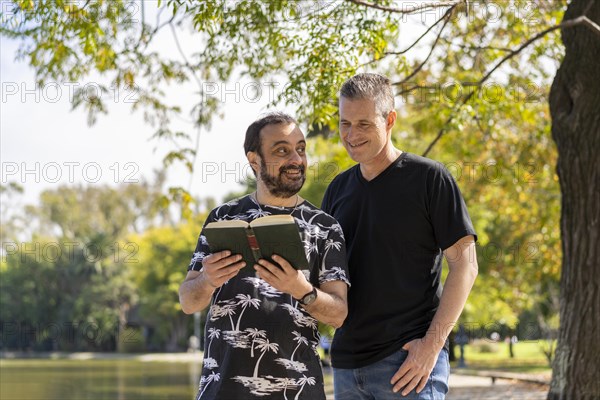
(261, 238)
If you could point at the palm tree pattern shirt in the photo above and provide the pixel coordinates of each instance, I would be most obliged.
(260, 343)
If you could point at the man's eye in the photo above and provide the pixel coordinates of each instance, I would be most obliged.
(364, 126)
(301, 150)
(281, 150)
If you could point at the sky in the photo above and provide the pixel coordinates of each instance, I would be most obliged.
(45, 144)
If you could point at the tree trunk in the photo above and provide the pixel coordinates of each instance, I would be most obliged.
(178, 334)
(575, 110)
(452, 347)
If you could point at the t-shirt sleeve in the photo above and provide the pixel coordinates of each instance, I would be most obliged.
(202, 250)
(334, 266)
(447, 209)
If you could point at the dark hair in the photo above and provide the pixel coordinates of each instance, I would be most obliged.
(370, 86)
(252, 141)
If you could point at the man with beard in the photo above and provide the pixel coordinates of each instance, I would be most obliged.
(261, 331)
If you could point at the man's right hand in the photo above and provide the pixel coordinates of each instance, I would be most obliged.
(220, 267)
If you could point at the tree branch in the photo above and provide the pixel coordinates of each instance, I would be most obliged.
(309, 15)
(397, 53)
(582, 20)
(412, 8)
(437, 39)
(422, 36)
(199, 82)
(420, 87)
(146, 40)
(470, 47)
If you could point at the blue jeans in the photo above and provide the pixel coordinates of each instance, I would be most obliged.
(373, 381)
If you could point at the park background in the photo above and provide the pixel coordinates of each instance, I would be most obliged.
(102, 205)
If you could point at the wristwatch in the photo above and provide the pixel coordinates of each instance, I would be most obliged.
(309, 297)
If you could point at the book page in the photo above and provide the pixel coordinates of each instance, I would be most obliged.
(234, 223)
(273, 220)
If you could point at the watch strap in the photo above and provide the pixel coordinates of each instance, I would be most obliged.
(304, 300)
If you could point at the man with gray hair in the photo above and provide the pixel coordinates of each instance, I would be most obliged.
(400, 214)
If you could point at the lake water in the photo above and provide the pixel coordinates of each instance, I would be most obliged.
(98, 379)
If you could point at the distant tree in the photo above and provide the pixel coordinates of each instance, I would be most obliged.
(12, 221)
(159, 268)
(73, 285)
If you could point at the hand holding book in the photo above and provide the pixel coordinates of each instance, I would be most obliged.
(283, 277)
(220, 267)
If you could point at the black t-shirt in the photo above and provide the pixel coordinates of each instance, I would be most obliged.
(260, 343)
(396, 226)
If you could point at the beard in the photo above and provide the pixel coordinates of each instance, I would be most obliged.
(282, 186)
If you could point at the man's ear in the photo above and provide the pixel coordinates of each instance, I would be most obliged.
(391, 120)
(253, 160)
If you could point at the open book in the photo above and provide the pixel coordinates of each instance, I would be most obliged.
(261, 238)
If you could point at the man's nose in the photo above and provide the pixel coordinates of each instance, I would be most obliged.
(349, 132)
(296, 158)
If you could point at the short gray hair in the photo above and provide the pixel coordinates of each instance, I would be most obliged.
(370, 86)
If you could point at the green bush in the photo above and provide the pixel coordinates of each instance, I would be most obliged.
(484, 346)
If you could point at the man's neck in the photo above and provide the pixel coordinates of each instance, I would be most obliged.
(264, 197)
(378, 164)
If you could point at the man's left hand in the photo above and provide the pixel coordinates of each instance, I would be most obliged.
(285, 279)
(415, 370)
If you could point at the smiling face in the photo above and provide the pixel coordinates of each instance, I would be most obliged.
(365, 133)
(281, 162)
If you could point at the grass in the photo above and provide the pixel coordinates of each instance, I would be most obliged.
(528, 357)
